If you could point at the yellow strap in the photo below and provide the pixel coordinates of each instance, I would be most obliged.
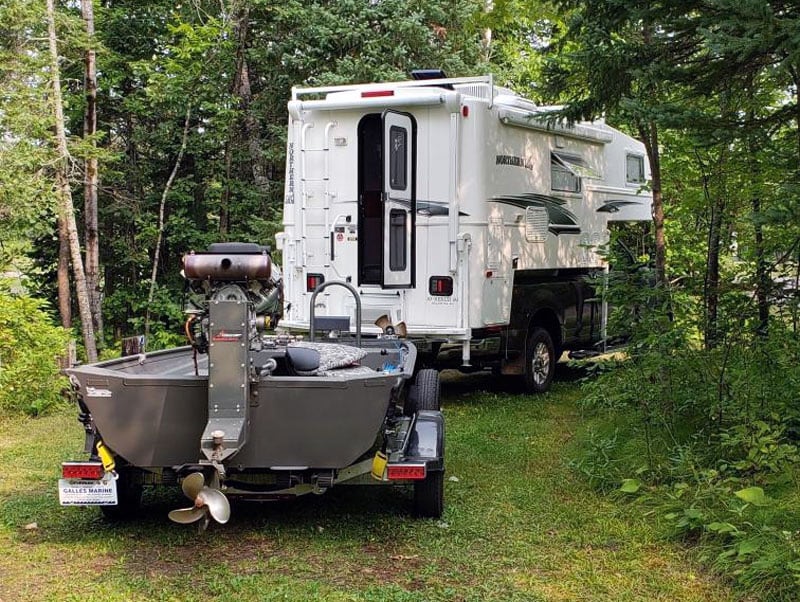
(379, 465)
(106, 457)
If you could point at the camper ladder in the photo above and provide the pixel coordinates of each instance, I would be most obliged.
(307, 179)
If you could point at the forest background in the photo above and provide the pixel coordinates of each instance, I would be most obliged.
(131, 132)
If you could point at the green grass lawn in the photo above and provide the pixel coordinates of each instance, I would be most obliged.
(519, 524)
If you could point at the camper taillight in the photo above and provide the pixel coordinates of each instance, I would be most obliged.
(313, 281)
(440, 286)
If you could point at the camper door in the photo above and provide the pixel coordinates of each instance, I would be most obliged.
(399, 199)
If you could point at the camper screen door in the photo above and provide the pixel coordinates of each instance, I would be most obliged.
(399, 199)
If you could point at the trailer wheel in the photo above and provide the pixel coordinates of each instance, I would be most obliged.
(429, 495)
(425, 393)
(129, 496)
(540, 361)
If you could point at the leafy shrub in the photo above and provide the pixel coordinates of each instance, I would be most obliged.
(29, 347)
(718, 429)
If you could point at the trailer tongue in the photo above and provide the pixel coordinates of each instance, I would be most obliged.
(243, 413)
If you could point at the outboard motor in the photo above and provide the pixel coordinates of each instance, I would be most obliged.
(236, 294)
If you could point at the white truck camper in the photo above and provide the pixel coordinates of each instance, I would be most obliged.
(461, 216)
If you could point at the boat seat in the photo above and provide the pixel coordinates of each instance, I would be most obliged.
(310, 358)
(303, 361)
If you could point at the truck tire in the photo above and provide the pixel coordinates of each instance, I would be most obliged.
(540, 361)
(425, 394)
(129, 496)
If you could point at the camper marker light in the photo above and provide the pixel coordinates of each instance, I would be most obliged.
(465, 111)
(313, 281)
(377, 93)
(82, 470)
(396, 472)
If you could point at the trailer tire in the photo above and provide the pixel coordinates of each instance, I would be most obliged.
(129, 496)
(425, 393)
(540, 361)
(429, 495)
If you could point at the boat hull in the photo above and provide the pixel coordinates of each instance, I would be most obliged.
(152, 410)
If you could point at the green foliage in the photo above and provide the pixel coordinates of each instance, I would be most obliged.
(30, 381)
(710, 446)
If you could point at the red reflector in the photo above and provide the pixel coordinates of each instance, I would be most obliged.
(376, 93)
(405, 471)
(465, 111)
(82, 470)
(313, 281)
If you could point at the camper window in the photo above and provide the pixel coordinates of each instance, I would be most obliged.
(397, 158)
(562, 177)
(397, 240)
(634, 169)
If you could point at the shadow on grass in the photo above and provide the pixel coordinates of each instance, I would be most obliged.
(355, 510)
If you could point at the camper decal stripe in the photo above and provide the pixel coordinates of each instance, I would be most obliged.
(435, 208)
(428, 208)
(562, 220)
(614, 206)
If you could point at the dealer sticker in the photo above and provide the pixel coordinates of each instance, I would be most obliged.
(80, 492)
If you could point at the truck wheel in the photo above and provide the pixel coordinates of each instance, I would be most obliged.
(425, 395)
(129, 496)
(429, 495)
(540, 361)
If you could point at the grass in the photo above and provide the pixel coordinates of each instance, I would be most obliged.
(519, 525)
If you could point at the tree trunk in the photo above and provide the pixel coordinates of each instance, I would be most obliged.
(649, 134)
(161, 210)
(64, 297)
(711, 280)
(486, 34)
(65, 205)
(225, 201)
(763, 279)
(90, 174)
(241, 87)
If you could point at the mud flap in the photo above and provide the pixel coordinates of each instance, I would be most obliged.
(426, 441)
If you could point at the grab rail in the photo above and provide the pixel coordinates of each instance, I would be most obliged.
(313, 312)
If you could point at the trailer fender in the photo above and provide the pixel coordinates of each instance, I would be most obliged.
(426, 442)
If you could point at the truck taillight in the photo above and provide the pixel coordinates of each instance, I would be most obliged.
(313, 281)
(440, 286)
(82, 470)
(395, 472)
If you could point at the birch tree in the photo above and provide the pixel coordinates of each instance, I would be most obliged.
(66, 208)
(90, 179)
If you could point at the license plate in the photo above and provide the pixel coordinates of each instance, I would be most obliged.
(80, 492)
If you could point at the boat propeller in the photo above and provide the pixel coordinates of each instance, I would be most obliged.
(208, 503)
(385, 324)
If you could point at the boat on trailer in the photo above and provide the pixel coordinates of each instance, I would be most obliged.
(242, 412)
